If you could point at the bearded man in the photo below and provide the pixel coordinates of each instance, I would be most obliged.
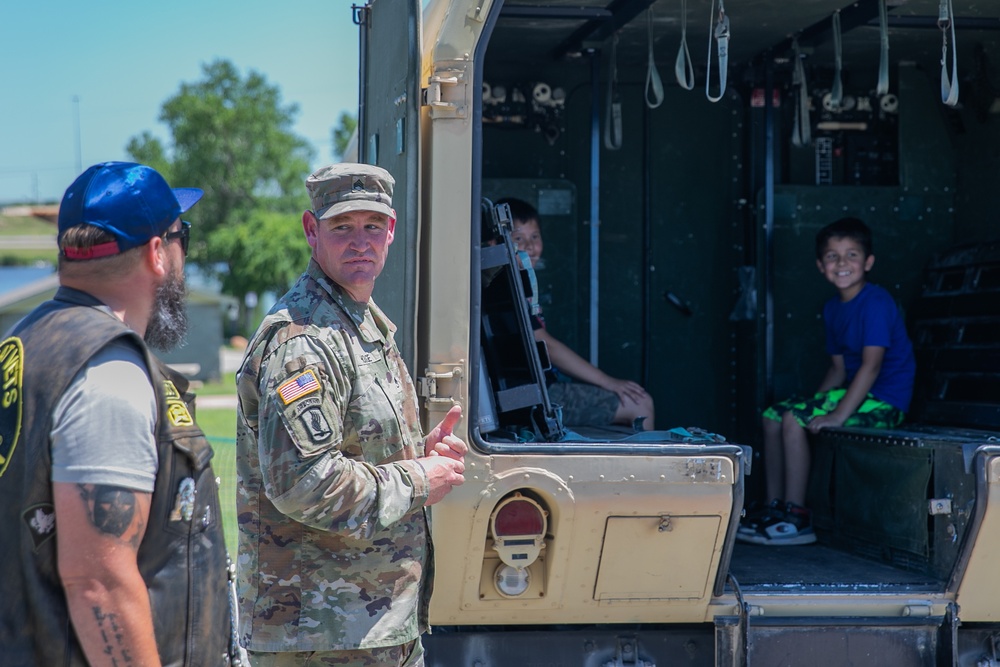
(109, 512)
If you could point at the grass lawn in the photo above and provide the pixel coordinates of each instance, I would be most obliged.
(14, 225)
(26, 226)
(27, 257)
(220, 427)
(224, 387)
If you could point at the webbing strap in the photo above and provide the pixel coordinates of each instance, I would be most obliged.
(718, 28)
(883, 59)
(949, 85)
(837, 91)
(653, 82)
(613, 109)
(801, 125)
(683, 69)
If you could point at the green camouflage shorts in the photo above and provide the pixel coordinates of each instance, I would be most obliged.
(410, 654)
(872, 413)
(584, 404)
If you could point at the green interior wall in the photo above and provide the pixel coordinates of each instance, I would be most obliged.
(693, 239)
(909, 223)
(702, 370)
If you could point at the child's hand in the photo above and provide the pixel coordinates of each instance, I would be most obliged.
(816, 424)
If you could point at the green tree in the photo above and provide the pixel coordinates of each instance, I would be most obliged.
(232, 136)
(343, 132)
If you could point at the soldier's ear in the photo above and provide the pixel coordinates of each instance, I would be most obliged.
(310, 225)
(392, 226)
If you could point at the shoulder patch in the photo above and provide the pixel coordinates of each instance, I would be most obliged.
(11, 378)
(177, 411)
(298, 386)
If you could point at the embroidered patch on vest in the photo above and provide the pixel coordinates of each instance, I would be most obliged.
(301, 385)
(177, 411)
(319, 429)
(184, 503)
(11, 377)
(41, 522)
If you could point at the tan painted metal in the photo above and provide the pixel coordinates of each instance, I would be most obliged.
(630, 538)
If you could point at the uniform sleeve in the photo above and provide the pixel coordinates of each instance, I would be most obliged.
(104, 424)
(306, 388)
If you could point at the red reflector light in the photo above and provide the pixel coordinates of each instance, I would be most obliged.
(519, 517)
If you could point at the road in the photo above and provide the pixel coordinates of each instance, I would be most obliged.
(42, 242)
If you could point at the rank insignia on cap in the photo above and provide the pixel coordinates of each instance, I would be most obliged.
(301, 385)
(359, 185)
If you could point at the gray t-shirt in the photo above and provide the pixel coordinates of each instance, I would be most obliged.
(104, 425)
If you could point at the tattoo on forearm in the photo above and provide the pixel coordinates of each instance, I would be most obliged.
(112, 508)
(113, 637)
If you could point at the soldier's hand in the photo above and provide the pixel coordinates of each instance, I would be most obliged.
(443, 473)
(441, 442)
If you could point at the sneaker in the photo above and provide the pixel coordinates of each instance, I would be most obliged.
(792, 526)
(758, 514)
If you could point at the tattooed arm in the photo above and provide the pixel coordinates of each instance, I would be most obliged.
(99, 529)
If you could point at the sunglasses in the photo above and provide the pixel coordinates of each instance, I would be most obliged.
(184, 234)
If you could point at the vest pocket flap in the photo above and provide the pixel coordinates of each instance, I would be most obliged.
(197, 449)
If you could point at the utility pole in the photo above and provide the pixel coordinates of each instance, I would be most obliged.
(76, 116)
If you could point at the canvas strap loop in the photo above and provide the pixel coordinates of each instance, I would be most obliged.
(613, 110)
(653, 83)
(949, 85)
(718, 29)
(683, 69)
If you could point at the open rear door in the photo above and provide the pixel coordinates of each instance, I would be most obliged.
(388, 136)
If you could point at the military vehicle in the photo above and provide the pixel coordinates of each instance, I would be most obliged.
(682, 155)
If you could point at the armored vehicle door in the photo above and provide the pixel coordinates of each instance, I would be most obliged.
(388, 137)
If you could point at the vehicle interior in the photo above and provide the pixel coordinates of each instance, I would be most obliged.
(679, 202)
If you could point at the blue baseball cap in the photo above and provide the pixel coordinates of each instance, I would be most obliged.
(130, 201)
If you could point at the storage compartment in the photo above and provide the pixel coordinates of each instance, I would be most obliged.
(904, 497)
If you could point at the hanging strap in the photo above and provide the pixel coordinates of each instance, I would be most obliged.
(683, 69)
(883, 59)
(837, 91)
(720, 32)
(801, 125)
(653, 82)
(949, 85)
(613, 111)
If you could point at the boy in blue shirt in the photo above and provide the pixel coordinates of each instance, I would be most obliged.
(869, 383)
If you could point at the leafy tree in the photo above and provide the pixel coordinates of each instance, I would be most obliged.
(231, 136)
(343, 132)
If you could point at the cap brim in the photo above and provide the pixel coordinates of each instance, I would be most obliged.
(188, 197)
(356, 205)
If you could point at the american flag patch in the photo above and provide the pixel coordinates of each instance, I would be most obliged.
(298, 386)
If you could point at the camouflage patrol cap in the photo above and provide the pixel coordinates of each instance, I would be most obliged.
(349, 186)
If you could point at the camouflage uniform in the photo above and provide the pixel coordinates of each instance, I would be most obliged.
(333, 537)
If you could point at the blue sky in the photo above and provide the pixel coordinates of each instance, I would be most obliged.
(122, 60)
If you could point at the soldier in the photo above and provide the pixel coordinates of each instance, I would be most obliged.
(334, 474)
(109, 512)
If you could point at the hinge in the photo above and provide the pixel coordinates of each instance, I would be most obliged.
(446, 90)
(432, 385)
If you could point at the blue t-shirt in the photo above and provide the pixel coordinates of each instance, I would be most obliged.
(872, 319)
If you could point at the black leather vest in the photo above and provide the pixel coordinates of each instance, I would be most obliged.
(182, 556)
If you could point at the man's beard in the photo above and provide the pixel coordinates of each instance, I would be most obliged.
(168, 322)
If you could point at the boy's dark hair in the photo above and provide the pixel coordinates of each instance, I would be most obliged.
(849, 228)
(520, 210)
